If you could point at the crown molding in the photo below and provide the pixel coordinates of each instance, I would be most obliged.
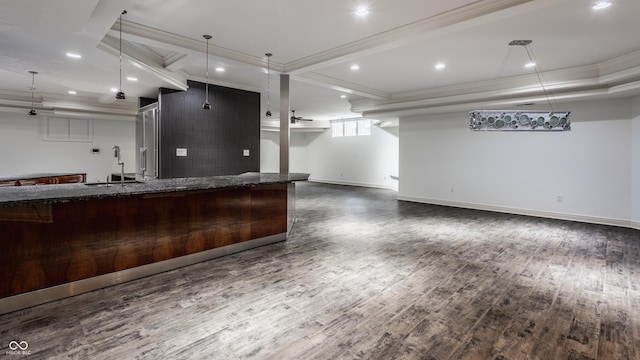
(19, 96)
(143, 59)
(47, 103)
(175, 61)
(400, 36)
(620, 63)
(403, 110)
(577, 76)
(341, 85)
(627, 89)
(226, 84)
(174, 42)
(614, 77)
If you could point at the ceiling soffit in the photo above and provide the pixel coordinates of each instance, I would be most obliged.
(560, 85)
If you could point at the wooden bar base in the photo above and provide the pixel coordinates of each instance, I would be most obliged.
(33, 298)
(80, 240)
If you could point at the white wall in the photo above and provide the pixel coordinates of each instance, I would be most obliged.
(358, 160)
(270, 152)
(589, 167)
(355, 160)
(635, 163)
(24, 151)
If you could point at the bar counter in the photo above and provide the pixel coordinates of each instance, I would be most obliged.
(62, 240)
(12, 196)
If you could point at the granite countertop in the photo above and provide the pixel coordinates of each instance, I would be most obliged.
(22, 195)
(35, 176)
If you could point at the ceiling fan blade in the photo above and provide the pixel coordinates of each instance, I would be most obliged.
(295, 119)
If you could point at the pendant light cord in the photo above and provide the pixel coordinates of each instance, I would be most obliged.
(540, 76)
(207, 76)
(33, 86)
(206, 105)
(492, 87)
(33, 89)
(123, 12)
(268, 81)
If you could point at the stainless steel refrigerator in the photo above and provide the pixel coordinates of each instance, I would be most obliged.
(147, 142)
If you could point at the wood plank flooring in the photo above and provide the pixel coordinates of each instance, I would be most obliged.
(364, 276)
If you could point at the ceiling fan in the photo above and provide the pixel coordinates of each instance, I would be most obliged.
(295, 119)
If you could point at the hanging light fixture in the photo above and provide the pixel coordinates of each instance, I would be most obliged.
(521, 119)
(268, 113)
(33, 88)
(206, 104)
(120, 94)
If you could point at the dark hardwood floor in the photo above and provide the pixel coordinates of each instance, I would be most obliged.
(364, 276)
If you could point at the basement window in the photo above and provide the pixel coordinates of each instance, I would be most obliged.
(337, 129)
(342, 128)
(67, 129)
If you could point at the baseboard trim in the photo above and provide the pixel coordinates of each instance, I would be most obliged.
(355, 183)
(23, 301)
(527, 212)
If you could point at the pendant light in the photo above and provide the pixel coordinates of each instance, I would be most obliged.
(206, 104)
(268, 113)
(33, 88)
(521, 119)
(120, 93)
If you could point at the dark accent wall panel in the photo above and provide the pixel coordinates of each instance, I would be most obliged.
(144, 101)
(215, 139)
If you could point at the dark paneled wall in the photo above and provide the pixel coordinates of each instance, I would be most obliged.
(144, 101)
(215, 139)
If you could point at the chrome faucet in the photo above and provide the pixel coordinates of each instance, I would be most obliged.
(116, 153)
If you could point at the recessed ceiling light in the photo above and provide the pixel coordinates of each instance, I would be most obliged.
(343, 96)
(355, 67)
(440, 66)
(220, 69)
(74, 55)
(71, 92)
(362, 10)
(530, 65)
(131, 78)
(601, 5)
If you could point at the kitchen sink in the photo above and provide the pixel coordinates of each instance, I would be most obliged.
(113, 183)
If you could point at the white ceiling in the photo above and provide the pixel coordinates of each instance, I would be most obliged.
(581, 53)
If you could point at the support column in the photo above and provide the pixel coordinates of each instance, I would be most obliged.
(284, 123)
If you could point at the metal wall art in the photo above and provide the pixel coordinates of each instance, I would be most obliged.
(519, 120)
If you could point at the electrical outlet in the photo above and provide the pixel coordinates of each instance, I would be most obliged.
(559, 198)
(453, 190)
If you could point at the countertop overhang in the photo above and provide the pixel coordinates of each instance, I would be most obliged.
(23, 195)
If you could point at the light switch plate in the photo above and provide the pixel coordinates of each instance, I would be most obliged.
(181, 152)
(245, 152)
